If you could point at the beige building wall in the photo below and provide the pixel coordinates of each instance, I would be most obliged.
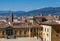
(31, 21)
(46, 33)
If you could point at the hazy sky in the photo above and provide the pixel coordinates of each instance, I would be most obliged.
(26, 5)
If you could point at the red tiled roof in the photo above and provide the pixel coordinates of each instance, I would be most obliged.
(50, 23)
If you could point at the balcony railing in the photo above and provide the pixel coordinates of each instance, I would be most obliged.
(23, 26)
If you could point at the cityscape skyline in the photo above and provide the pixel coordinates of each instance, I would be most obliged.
(27, 5)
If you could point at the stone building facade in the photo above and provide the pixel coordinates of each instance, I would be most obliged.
(44, 27)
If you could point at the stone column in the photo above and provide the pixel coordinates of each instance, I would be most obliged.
(18, 32)
(5, 34)
(22, 33)
(38, 32)
(13, 32)
(29, 32)
(33, 32)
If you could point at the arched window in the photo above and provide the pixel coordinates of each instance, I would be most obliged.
(20, 32)
(2, 32)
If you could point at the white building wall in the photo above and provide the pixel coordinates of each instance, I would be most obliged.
(46, 33)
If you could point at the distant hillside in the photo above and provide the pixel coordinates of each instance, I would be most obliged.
(43, 11)
(46, 11)
(7, 13)
(19, 13)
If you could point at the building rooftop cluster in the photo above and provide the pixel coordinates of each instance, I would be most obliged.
(29, 21)
(45, 27)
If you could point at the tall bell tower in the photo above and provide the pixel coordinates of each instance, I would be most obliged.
(11, 18)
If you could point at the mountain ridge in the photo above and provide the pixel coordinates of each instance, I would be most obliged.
(43, 11)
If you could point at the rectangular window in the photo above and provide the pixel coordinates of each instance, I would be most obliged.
(16, 32)
(44, 39)
(58, 31)
(25, 32)
(47, 29)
